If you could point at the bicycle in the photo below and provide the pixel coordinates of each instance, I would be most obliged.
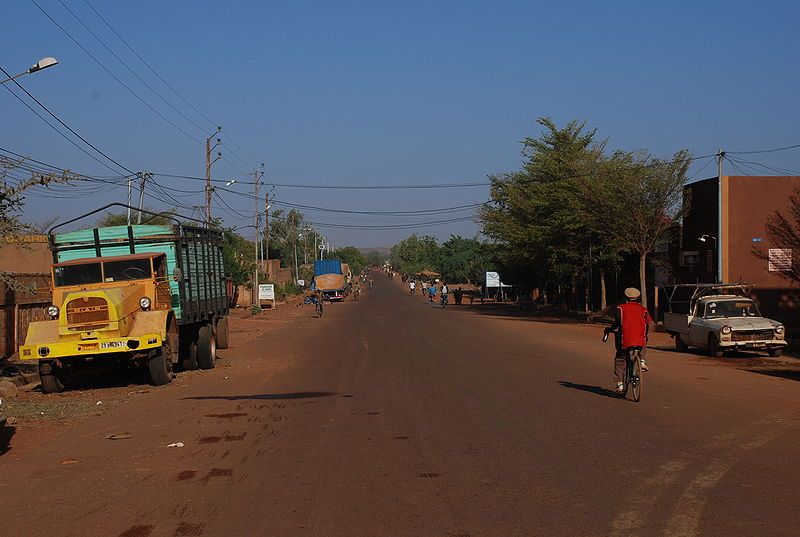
(632, 377)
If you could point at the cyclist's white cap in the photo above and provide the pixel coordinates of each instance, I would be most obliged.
(632, 293)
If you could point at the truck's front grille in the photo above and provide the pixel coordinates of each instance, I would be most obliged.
(88, 313)
(752, 335)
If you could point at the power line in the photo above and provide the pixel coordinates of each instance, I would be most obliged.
(172, 88)
(115, 77)
(134, 73)
(773, 150)
(148, 65)
(70, 129)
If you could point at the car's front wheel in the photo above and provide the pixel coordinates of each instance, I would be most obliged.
(713, 347)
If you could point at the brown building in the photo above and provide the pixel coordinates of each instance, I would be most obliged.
(30, 254)
(725, 224)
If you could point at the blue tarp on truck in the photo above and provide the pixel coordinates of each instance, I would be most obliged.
(327, 266)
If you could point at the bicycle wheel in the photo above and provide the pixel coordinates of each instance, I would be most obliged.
(636, 375)
(626, 375)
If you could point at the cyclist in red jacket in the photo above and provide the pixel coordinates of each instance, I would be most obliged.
(631, 326)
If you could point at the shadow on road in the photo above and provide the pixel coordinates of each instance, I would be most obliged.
(5, 438)
(791, 374)
(513, 311)
(591, 389)
(260, 396)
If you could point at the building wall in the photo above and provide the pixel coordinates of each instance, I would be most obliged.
(33, 255)
(750, 201)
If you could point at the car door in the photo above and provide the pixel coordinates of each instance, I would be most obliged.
(697, 327)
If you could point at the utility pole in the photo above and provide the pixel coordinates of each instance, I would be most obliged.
(266, 221)
(209, 162)
(256, 298)
(143, 177)
(130, 190)
(718, 241)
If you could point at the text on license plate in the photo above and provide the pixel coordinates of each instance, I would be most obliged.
(112, 344)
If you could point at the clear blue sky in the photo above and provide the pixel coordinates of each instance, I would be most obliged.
(387, 93)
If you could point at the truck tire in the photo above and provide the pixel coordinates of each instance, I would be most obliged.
(160, 366)
(713, 347)
(188, 355)
(680, 346)
(223, 332)
(52, 378)
(206, 347)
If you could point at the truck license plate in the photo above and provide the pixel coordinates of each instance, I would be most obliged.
(112, 344)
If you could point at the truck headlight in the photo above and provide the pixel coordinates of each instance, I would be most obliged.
(144, 302)
(780, 329)
(52, 311)
(726, 329)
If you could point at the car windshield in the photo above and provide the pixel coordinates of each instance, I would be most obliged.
(127, 269)
(731, 308)
(77, 274)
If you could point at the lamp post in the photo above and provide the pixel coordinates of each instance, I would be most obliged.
(44, 63)
(296, 269)
(706, 238)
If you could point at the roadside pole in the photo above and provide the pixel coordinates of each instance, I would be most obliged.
(256, 298)
(143, 177)
(130, 189)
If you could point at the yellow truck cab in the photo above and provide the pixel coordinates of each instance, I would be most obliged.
(164, 305)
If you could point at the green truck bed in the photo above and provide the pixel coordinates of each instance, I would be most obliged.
(199, 295)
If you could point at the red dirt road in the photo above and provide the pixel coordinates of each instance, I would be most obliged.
(391, 417)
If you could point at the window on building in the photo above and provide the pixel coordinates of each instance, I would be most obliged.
(690, 259)
(780, 259)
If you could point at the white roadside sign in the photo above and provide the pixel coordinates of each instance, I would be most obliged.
(266, 291)
(492, 279)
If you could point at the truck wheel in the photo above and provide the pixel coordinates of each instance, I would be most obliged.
(52, 378)
(775, 352)
(188, 355)
(223, 332)
(206, 347)
(680, 346)
(160, 366)
(713, 348)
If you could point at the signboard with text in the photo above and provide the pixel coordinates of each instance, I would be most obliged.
(492, 279)
(266, 291)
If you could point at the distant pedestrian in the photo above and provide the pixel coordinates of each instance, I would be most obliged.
(457, 295)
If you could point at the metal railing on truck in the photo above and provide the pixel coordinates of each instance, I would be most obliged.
(194, 257)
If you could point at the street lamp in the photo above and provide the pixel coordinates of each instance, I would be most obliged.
(44, 63)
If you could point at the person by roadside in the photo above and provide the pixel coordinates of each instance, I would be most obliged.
(458, 295)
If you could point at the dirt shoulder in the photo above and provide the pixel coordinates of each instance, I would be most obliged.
(36, 417)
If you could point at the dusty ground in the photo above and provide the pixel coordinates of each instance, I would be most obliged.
(43, 416)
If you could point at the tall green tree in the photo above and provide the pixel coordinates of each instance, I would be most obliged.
(464, 260)
(353, 257)
(415, 254)
(641, 202)
(535, 213)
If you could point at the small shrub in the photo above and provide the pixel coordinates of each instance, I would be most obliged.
(255, 310)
